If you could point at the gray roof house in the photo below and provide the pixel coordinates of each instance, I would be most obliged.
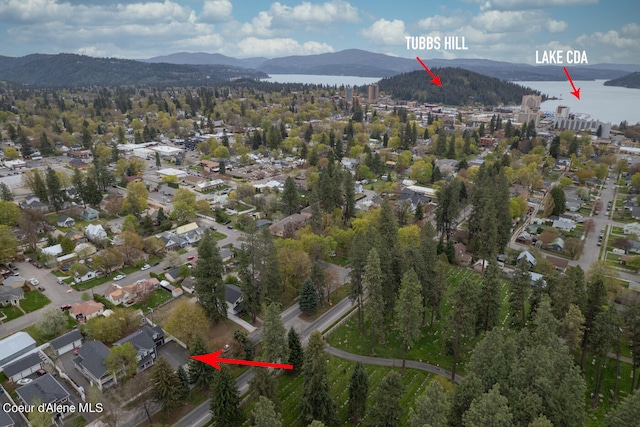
(145, 348)
(46, 389)
(66, 342)
(5, 420)
(529, 257)
(66, 221)
(90, 214)
(90, 362)
(23, 367)
(233, 296)
(10, 296)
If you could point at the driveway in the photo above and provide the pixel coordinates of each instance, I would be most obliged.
(174, 353)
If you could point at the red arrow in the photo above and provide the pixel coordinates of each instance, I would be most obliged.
(576, 92)
(435, 79)
(214, 360)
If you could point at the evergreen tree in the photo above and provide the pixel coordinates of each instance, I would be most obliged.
(557, 194)
(387, 228)
(5, 192)
(184, 382)
(317, 280)
(441, 143)
(308, 298)
(263, 384)
(409, 312)
(54, 188)
(290, 197)
(296, 352)
(463, 394)
(489, 410)
(274, 336)
(520, 288)
(358, 391)
(418, 215)
(209, 285)
(77, 179)
(626, 414)
(374, 310)
(46, 148)
(448, 207)
(602, 339)
(200, 374)
(317, 403)
(387, 411)
(358, 254)
(489, 302)
(431, 408)
(166, 387)
(225, 400)
(91, 194)
(596, 301)
(264, 414)
(349, 207)
(249, 284)
(451, 149)
(158, 162)
(462, 318)
(222, 167)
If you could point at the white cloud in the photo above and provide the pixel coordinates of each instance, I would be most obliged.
(532, 4)
(216, 10)
(631, 30)
(306, 12)
(386, 32)
(440, 22)
(252, 46)
(495, 21)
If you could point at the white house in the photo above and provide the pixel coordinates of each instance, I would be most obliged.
(632, 228)
(23, 367)
(95, 232)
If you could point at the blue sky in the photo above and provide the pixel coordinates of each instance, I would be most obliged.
(508, 30)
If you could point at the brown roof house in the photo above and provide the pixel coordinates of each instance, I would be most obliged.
(463, 257)
(83, 311)
(288, 225)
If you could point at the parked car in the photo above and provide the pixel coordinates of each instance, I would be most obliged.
(65, 307)
(227, 222)
(119, 277)
(34, 282)
(155, 263)
(145, 267)
(24, 381)
(41, 288)
(191, 258)
(41, 372)
(75, 350)
(229, 227)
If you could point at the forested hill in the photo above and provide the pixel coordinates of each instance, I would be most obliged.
(459, 87)
(79, 70)
(630, 80)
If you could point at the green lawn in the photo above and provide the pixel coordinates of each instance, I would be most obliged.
(12, 312)
(290, 391)
(33, 301)
(158, 297)
(93, 282)
(595, 417)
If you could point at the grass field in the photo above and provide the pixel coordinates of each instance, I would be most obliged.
(33, 301)
(11, 312)
(290, 391)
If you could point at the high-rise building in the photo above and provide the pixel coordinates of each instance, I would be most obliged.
(373, 93)
(348, 93)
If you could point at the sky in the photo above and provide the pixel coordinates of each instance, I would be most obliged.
(504, 30)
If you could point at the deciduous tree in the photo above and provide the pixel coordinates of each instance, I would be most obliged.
(122, 360)
(187, 321)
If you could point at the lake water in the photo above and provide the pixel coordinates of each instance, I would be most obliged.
(605, 103)
(599, 102)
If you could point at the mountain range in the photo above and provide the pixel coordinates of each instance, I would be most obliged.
(355, 62)
(201, 68)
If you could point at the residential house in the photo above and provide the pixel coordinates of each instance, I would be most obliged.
(145, 348)
(414, 198)
(66, 342)
(23, 367)
(635, 212)
(187, 285)
(210, 166)
(33, 202)
(14, 346)
(6, 420)
(480, 265)
(560, 264)
(463, 257)
(233, 296)
(85, 250)
(564, 225)
(209, 185)
(172, 241)
(78, 164)
(95, 233)
(52, 251)
(173, 275)
(115, 294)
(635, 246)
(45, 389)
(261, 223)
(90, 214)
(226, 254)
(557, 245)
(535, 277)
(573, 204)
(76, 237)
(91, 363)
(191, 233)
(529, 257)
(15, 282)
(525, 238)
(156, 333)
(65, 221)
(632, 228)
(83, 311)
(288, 225)
(10, 296)
(138, 290)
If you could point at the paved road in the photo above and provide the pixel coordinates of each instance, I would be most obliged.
(201, 415)
(396, 363)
